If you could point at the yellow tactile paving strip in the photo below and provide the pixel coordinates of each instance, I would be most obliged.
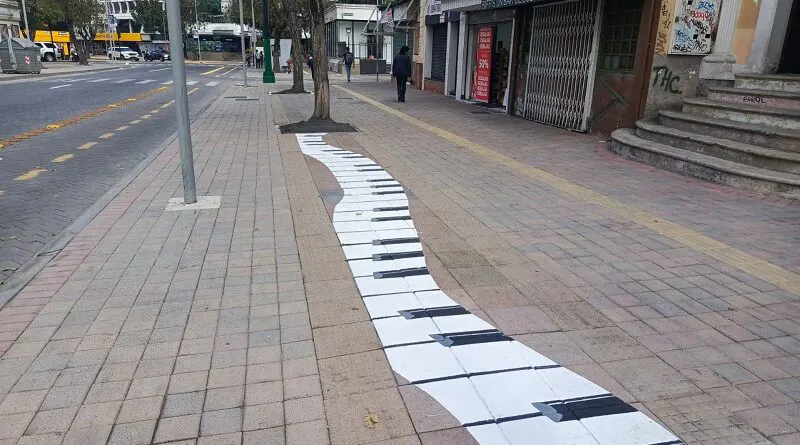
(758, 268)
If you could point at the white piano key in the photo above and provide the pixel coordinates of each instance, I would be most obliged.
(626, 429)
(513, 393)
(460, 398)
(545, 431)
(391, 305)
(568, 385)
(399, 330)
(483, 357)
(423, 362)
(461, 323)
(489, 434)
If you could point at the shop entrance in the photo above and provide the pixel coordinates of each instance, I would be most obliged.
(490, 63)
(790, 61)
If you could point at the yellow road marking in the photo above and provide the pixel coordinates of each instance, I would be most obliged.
(106, 135)
(168, 104)
(135, 121)
(212, 71)
(72, 120)
(154, 111)
(193, 90)
(761, 269)
(2, 192)
(131, 99)
(30, 175)
(63, 158)
(87, 145)
(146, 116)
(122, 128)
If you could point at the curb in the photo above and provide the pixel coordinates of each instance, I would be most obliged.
(35, 264)
(36, 76)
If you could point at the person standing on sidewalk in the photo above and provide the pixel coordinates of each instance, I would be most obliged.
(348, 62)
(401, 70)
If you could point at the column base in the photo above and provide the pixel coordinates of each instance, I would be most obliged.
(269, 77)
(717, 66)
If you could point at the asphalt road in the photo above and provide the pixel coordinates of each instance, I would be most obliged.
(48, 180)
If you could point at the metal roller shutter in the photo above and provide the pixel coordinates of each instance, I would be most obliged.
(439, 51)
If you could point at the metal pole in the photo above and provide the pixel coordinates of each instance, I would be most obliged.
(27, 28)
(241, 35)
(181, 100)
(197, 26)
(253, 31)
(377, 38)
(269, 75)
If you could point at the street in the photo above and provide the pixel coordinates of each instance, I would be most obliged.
(110, 120)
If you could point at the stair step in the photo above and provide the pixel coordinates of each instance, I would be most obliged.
(774, 82)
(777, 138)
(626, 143)
(788, 119)
(756, 98)
(767, 158)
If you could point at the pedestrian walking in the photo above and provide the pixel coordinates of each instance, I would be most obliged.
(310, 63)
(348, 62)
(401, 71)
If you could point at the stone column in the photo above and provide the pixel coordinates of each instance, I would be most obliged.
(719, 64)
(773, 20)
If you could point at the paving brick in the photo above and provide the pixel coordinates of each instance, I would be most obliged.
(183, 404)
(307, 433)
(221, 421)
(259, 417)
(135, 433)
(177, 428)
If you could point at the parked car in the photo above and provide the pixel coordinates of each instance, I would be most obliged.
(48, 52)
(122, 53)
(156, 54)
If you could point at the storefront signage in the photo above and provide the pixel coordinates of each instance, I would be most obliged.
(498, 4)
(483, 64)
(694, 22)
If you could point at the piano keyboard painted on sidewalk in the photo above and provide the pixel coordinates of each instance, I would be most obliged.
(503, 392)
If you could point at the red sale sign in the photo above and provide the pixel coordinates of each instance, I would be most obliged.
(483, 64)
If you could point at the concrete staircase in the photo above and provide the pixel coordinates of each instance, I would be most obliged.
(747, 136)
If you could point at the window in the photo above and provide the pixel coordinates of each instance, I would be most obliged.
(620, 35)
(14, 31)
(3, 30)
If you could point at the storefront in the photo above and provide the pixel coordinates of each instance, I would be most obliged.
(489, 53)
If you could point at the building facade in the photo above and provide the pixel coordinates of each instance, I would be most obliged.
(598, 65)
(9, 18)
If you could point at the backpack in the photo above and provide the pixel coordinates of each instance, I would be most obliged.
(348, 58)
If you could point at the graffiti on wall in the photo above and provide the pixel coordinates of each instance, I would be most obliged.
(666, 79)
(693, 26)
(664, 24)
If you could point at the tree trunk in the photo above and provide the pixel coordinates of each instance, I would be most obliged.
(298, 61)
(82, 48)
(276, 56)
(322, 92)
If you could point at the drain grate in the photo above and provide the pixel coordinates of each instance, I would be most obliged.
(246, 98)
(235, 97)
(345, 98)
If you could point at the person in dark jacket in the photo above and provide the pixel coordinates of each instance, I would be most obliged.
(401, 70)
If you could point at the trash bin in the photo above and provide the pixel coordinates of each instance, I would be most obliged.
(25, 53)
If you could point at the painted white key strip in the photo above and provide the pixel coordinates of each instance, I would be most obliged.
(502, 391)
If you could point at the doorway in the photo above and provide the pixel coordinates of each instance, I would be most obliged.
(790, 62)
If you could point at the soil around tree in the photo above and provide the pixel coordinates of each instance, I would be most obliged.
(291, 91)
(318, 126)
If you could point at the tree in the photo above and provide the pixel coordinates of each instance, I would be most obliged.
(151, 15)
(322, 91)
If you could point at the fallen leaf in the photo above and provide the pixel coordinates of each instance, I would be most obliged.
(370, 420)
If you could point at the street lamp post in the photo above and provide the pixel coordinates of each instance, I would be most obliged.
(25, 16)
(269, 75)
(241, 36)
(197, 27)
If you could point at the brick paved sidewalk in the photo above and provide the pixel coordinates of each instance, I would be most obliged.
(709, 350)
(244, 324)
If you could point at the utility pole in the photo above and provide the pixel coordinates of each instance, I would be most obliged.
(252, 31)
(269, 75)
(377, 38)
(27, 28)
(241, 35)
(181, 100)
(197, 27)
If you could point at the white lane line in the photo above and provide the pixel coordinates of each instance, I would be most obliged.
(168, 82)
(503, 392)
(60, 86)
(160, 69)
(99, 80)
(212, 84)
(142, 82)
(122, 80)
(191, 82)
